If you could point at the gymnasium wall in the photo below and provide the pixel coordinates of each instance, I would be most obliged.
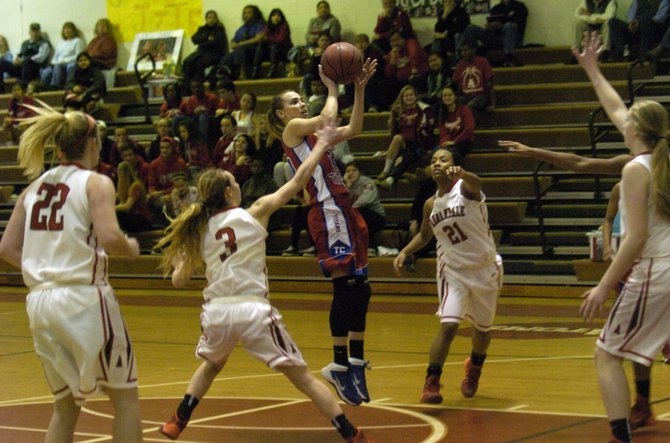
(550, 21)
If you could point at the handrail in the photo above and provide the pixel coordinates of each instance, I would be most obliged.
(142, 79)
(546, 250)
(593, 139)
(629, 79)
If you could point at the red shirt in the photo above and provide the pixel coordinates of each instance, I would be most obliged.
(160, 173)
(407, 60)
(221, 145)
(17, 111)
(198, 154)
(229, 106)
(473, 77)
(458, 126)
(208, 101)
(241, 173)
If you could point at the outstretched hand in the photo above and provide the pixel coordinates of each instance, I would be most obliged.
(328, 131)
(594, 301)
(454, 172)
(367, 71)
(514, 147)
(591, 49)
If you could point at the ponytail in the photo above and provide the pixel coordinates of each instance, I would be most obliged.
(660, 167)
(274, 122)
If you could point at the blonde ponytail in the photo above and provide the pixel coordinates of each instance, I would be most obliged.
(660, 167)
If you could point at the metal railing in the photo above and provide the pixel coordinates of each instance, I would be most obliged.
(142, 79)
(539, 193)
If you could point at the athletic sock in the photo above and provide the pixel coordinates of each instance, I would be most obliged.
(434, 370)
(621, 429)
(341, 355)
(643, 387)
(186, 407)
(356, 348)
(344, 426)
(477, 359)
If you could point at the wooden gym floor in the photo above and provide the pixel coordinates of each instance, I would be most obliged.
(538, 384)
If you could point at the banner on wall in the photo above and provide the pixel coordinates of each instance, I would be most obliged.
(430, 8)
(132, 17)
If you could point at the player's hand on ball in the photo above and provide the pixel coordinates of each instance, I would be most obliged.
(368, 70)
(327, 81)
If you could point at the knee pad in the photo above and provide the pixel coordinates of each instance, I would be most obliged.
(339, 308)
(359, 304)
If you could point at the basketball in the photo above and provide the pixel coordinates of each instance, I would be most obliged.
(342, 62)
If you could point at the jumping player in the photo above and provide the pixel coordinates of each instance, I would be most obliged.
(231, 242)
(636, 327)
(469, 271)
(58, 233)
(338, 230)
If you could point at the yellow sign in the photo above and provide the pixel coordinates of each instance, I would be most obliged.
(130, 17)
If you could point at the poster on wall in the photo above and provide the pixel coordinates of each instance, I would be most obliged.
(430, 8)
(132, 16)
(163, 46)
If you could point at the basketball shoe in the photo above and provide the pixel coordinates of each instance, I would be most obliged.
(640, 414)
(431, 390)
(471, 380)
(357, 368)
(173, 427)
(340, 377)
(359, 438)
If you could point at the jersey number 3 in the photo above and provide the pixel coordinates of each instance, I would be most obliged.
(46, 215)
(454, 233)
(230, 244)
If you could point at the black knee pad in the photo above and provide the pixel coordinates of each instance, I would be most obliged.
(339, 307)
(359, 304)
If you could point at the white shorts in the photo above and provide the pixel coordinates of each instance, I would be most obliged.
(81, 340)
(469, 293)
(254, 323)
(637, 327)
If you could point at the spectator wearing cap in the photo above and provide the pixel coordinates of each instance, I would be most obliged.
(162, 168)
(33, 56)
(182, 195)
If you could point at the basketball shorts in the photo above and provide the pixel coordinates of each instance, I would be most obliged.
(637, 326)
(469, 293)
(255, 324)
(340, 236)
(81, 340)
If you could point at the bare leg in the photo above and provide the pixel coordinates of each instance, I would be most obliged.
(203, 377)
(480, 341)
(317, 391)
(127, 425)
(613, 385)
(396, 144)
(63, 421)
(439, 350)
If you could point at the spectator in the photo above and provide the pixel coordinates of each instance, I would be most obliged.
(317, 100)
(182, 195)
(647, 22)
(456, 125)
(121, 140)
(212, 45)
(439, 75)
(107, 144)
(268, 147)
(5, 55)
(198, 108)
(229, 100)
(452, 19)
(593, 15)
(505, 26)
(238, 161)
(224, 144)
(393, 19)
(245, 115)
(411, 136)
(365, 198)
(368, 50)
(162, 130)
(171, 101)
(473, 78)
(164, 167)
(194, 148)
(323, 22)
(132, 209)
(17, 112)
(34, 55)
(103, 46)
(259, 184)
(274, 44)
(314, 61)
(299, 224)
(64, 60)
(88, 87)
(402, 67)
(240, 61)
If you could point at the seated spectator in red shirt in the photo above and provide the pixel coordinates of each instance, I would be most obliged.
(402, 67)
(238, 161)
(103, 46)
(121, 139)
(171, 101)
(17, 111)
(393, 19)
(456, 125)
(140, 167)
(473, 78)
(162, 130)
(229, 100)
(228, 131)
(162, 168)
(132, 208)
(274, 44)
(199, 108)
(194, 148)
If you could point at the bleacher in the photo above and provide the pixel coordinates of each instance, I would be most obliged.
(544, 103)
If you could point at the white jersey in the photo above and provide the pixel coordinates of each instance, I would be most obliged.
(233, 248)
(60, 247)
(462, 231)
(658, 241)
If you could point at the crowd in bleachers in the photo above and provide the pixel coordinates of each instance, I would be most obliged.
(436, 92)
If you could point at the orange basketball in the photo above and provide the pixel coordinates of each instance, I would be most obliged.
(342, 62)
